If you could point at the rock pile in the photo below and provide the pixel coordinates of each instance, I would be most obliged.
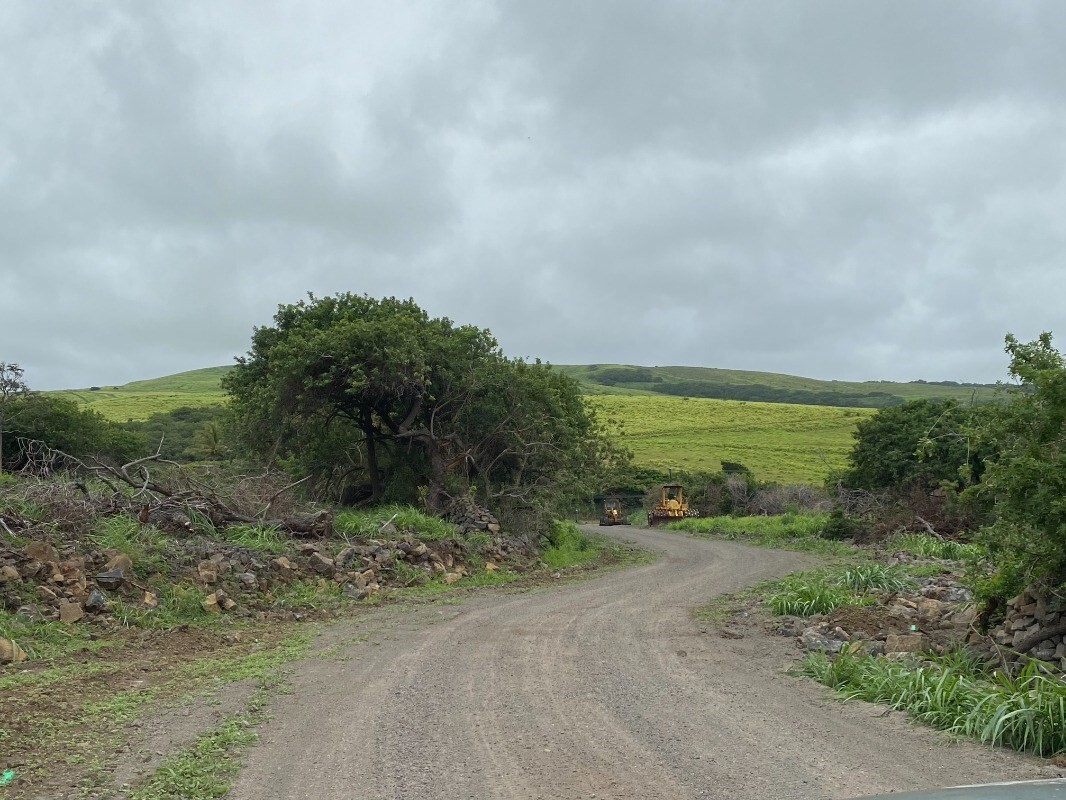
(76, 584)
(929, 618)
(469, 517)
(1035, 626)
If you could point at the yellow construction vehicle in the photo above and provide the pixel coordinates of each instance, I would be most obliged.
(613, 512)
(672, 505)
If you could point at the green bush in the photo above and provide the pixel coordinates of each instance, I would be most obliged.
(567, 546)
(840, 526)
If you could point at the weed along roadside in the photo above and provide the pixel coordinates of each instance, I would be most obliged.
(139, 663)
(893, 624)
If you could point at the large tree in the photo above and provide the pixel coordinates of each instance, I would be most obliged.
(1025, 477)
(357, 391)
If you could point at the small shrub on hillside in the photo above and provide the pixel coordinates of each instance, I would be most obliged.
(840, 526)
(567, 546)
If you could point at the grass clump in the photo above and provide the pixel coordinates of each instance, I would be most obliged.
(820, 591)
(179, 603)
(806, 594)
(268, 538)
(46, 640)
(1025, 712)
(874, 577)
(142, 543)
(567, 546)
(368, 522)
(927, 546)
(319, 593)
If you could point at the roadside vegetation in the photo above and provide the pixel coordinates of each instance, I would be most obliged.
(955, 692)
(951, 613)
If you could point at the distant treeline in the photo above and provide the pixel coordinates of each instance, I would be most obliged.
(640, 378)
(768, 394)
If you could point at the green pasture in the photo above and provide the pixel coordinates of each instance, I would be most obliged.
(140, 399)
(777, 441)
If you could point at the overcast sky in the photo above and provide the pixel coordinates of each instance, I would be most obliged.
(850, 190)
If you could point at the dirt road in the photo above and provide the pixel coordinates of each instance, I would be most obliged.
(600, 689)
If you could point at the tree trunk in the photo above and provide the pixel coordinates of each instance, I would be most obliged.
(435, 490)
(372, 458)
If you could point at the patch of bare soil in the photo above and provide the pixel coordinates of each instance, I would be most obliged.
(65, 725)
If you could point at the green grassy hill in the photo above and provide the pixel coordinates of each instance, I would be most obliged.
(777, 441)
(140, 399)
(719, 417)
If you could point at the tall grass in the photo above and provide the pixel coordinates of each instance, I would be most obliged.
(807, 593)
(142, 543)
(568, 546)
(820, 591)
(368, 522)
(873, 577)
(922, 544)
(1025, 712)
(791, 531)
(269, 538)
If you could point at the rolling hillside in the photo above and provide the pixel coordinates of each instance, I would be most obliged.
(777, 441)
(140, 399)
(721, 418)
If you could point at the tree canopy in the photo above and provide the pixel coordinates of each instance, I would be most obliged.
(375, 399)
(920, 443)
(1025, 476)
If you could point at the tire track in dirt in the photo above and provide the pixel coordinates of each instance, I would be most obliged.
(605, 688)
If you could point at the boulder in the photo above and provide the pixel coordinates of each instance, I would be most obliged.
(29, 613)
(905, 643)
(208, 571)
(120, 562)
(249, 580)
(817, 638)
(10, 652)
(41, 551)
(283, 564)
(110, 579)
(96, 602)
(322, 565)
(224, 601)
(70, 613)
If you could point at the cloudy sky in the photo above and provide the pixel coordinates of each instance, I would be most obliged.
(851, 190)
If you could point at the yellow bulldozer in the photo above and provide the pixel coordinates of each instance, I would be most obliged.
(672, 505)
(613, 512)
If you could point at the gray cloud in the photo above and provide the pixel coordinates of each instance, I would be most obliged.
(831, 189)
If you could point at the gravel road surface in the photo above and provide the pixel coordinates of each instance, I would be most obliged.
(606, 688)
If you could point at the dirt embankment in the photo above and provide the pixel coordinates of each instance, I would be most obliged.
(607, 688)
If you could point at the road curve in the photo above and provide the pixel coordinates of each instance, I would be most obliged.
(605, 688)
